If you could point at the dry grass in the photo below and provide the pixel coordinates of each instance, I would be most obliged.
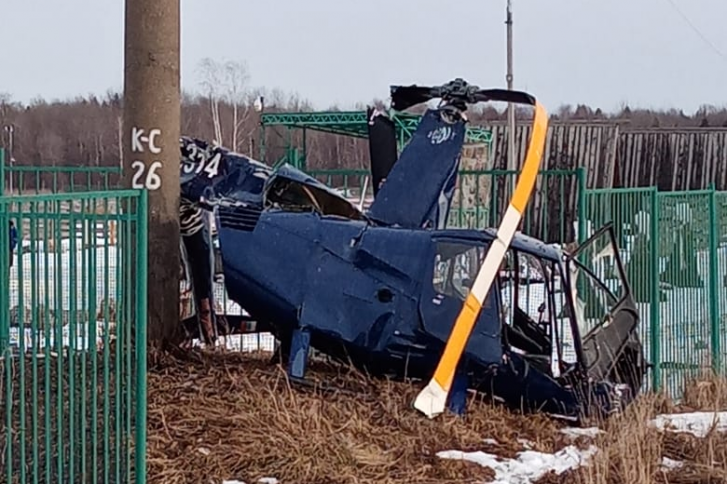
(225, 417)
(632, 451)
(237, 417)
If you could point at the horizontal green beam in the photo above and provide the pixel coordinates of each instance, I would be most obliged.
(306, 119)
(354, 123)
(63, 169)
(71, 197)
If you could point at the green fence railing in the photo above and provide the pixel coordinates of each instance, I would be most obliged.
(26, 180)
(674, 247)
(2, 171)
(481, 198)
(73, 338)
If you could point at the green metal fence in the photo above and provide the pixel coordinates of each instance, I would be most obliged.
(73, 338)
(26, 180)
(674, 247)
(481, 198)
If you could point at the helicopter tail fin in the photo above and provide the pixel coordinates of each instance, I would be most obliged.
(418, 191)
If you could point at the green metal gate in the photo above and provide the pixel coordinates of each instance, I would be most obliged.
(73, 338)
(674, 247)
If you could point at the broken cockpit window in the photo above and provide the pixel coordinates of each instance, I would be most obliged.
(527, 290)
(455, 268)
(293, 190)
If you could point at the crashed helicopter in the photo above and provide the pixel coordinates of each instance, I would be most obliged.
(392, 291)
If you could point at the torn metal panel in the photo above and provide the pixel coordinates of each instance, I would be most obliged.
(430, 161)
(382, 146)
(234, 176)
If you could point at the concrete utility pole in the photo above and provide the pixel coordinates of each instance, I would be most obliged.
(10, 128)
(511, 162)
(151, 146)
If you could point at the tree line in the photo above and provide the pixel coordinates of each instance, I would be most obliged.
(87, 130)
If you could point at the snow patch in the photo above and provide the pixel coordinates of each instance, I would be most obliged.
(529, 465)
(669, 464)
(575, 432)
(262, 480)
(697, 423)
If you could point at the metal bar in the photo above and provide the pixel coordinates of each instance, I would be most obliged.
(5, 348)
(68, 197)
(2, 172)
(581, 174)
(509, 78)
(21, 360)
(714, 316)
(654, 332)
(35, 340)
(140, 344)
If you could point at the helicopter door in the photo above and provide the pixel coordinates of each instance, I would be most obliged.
(453, 272)
(610, 317)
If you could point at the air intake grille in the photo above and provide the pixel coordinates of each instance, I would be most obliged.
(239, 218)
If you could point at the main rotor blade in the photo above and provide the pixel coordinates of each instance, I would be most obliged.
(432, 399)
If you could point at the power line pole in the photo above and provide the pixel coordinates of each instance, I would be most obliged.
(151, 147)
(10, 128)
(511, 164)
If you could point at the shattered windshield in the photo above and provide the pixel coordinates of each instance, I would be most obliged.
(295, 195)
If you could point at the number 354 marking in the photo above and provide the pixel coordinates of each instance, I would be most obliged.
(152, 180)
(211, 167)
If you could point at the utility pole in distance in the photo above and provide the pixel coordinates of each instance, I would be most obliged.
(10, 128)
(151, 147)
(511, 163)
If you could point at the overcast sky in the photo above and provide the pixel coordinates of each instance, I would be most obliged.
(599, 52)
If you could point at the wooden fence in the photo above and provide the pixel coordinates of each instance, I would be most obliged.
(616, 155)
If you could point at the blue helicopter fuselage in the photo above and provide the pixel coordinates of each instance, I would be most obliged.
(383, 288)
(366, 294)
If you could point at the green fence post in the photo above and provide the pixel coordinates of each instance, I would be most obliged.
(714, 316)
(4, 279)
(581, 177)
(655, 304)
(140, 336)
(2, 171)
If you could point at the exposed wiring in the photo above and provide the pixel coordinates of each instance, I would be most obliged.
(696, 30)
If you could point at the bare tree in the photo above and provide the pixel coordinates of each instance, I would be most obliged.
(237, 95)
(212, 85)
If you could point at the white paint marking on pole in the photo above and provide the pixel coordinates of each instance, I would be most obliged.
(138, 138)
(152, 180)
